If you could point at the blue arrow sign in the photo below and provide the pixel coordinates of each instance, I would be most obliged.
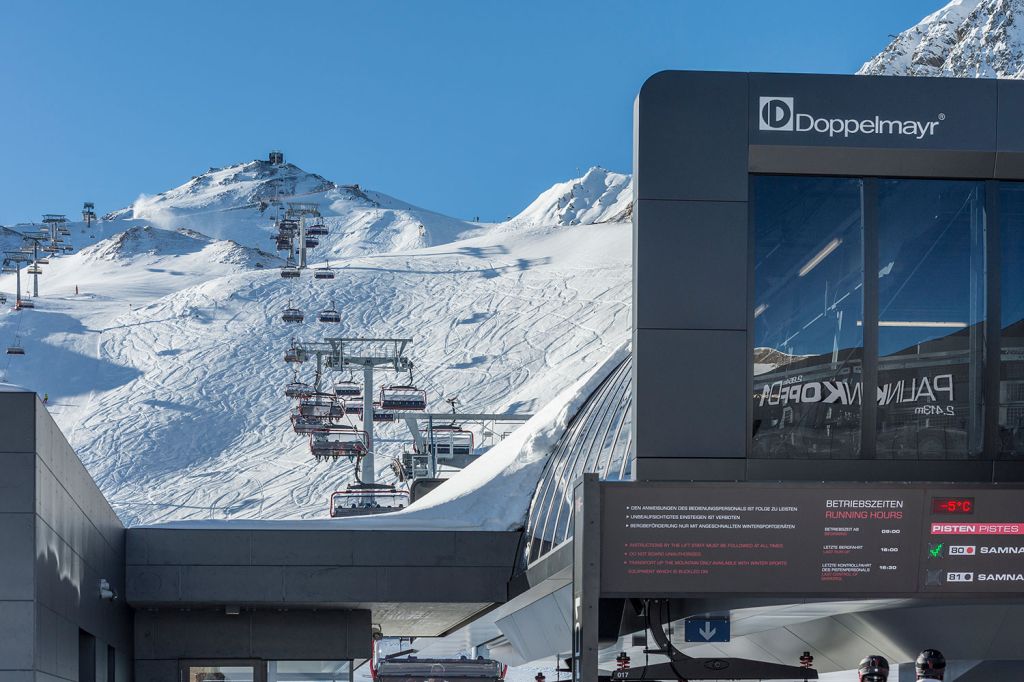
(707, 629)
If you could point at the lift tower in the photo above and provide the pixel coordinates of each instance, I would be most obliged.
(12, 263)
(300, 211)
(88, 214)
(33, 269)
(370, 355)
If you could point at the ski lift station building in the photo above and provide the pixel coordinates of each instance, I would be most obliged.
(801, 243)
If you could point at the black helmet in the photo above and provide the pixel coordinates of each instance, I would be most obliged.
(873, 669)
(930, 665)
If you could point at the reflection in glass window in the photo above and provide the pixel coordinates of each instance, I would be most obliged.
(808, 254)
(931, 306)
(1011, 280)
(309, 671)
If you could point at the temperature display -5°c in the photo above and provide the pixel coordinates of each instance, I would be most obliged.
(952, 505)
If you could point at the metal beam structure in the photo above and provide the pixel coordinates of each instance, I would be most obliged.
(370, 355)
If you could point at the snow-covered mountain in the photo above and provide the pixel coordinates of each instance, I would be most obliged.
(600, 196)
(240, 202)
(165, 369)
(965, 38)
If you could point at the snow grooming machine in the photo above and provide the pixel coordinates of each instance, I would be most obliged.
(414, 669)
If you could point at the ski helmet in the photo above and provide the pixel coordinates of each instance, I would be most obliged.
(873, 669)
(930, 665)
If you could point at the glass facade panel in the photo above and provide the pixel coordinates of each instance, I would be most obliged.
(808, 345)
(931, 309)
(1011, 323)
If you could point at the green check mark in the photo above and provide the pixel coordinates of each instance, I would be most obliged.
(936, 551)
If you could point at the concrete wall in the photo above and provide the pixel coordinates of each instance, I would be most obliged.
(59, 538)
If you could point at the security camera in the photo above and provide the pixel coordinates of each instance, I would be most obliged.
(376, 633)
(105, 591)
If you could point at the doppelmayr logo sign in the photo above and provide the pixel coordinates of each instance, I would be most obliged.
(780, 113)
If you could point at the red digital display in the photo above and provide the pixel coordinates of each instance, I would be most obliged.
(952, 505)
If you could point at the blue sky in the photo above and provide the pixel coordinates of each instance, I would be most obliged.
(468, 107)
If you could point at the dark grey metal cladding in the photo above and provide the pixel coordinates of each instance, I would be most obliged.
(964, 110)
(691, 136)
(162, 638)
(693, 394)
(60, 537)
(317, 567)
(690, 192)
(1010, 131)
(674, 290)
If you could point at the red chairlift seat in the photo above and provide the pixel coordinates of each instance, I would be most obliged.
(338, 441)
(403, 398)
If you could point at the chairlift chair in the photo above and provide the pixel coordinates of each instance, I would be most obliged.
(298, 389)
(449, 441)
(25, 303)
(16, 348)
(296, 354)
(307, 425)
(338, 441)
(42, 261)
(348, 389)
(318, 405)
(68, 249)
(292, 315)
(403, 398)
(323, 273)
(34, 270)
(330, 315)
(312, 242)
(283, 245)
(290, 272)
(317, 230)
(367, 498)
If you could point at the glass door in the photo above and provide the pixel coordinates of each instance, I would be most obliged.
(223, 671)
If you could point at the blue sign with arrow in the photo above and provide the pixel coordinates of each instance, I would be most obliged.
(715, 629)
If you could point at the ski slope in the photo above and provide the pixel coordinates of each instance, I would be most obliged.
(166, 370)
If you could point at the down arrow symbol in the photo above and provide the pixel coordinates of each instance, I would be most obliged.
(707, 632)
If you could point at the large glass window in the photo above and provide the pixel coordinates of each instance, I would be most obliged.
(931, 306)
(1011, 279)
(808, 345)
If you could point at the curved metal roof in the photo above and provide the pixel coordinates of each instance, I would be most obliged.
(599, 439)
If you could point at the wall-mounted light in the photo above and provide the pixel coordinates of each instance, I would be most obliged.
(820, 256)
(105, 591)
